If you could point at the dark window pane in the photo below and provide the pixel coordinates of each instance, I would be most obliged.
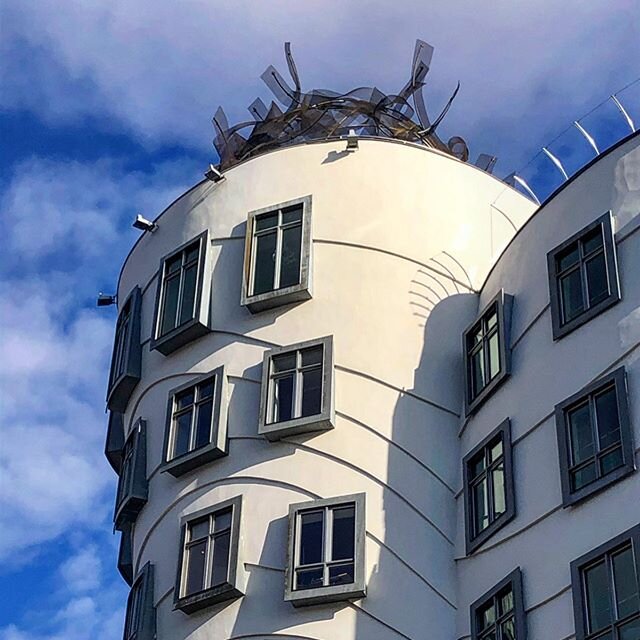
(509, 630)
(172, 265)
(581, 433)
(505, 602)
(285, 362)
(169, 305)
(343, 541)
(308, 578)
(192, 252)
(597, 284)
(265, 264)
(486, 616)
(481, 506)
(607, 418)
(290, 259)
(205, 389)
(182, 434)
(583, 476)
(598, 601)
(592, 241)
(311, 525)
(568, 257)
(203, 424)
(499, 498)
(283, 399)
(611, 461)
(311, 356)
(571, 295)
(626, 583)
(196, 558)
(199, 529)
(220, 562)
(492, 319)
(266, 221)
(477, 466)
(311, 392)
(477, 372)
(188, 293)
(292, 214)
(494, 356)
(630, 631)
(341, 574)
(222, 521)
(184, 399)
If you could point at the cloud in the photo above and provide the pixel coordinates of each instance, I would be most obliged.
(82, 571)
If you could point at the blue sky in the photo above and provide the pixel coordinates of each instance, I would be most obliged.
(105, 111)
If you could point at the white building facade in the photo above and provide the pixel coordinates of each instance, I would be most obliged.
(378, 395)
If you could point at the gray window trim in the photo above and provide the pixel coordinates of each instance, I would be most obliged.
(515, 580)
(125, 553)
(146, 630)
(579, 609)
(199, 324)
(217, 446)
(619, 379)
(130, 499)
(114, 441)
(322, 421)
(220, 593)
(504, 304)
(121, 388)
(332, 593)
(286, 295)
(559, 329)
(473, 542)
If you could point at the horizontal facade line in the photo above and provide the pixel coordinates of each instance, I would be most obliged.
(548, 599)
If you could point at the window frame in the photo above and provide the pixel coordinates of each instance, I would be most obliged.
(323, 421)
(514, 579)
(147, 625)
(475, 540)
(561, 329)
(125, 554)
(618, 378)
(198, 325)
(217, 446)
(130, 500)
(121, 387)
(329, 593)
(233, 587)
(114, 442)
(287, 295)
(579, 564)
(504, 304)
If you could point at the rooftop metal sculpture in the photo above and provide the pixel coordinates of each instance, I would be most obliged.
(300, 116)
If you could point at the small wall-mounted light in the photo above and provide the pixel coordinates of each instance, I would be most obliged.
(105, 300)
(213, 174)
(144, 225)
(352, 141)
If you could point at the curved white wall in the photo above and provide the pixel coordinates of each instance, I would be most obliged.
(402, 235)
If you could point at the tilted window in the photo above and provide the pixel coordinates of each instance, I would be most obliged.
(115, 440)
(583, 276)
(594, 437)
(182, 300)
(140, 617)
(606, 590)
(488, 487)
(196, 430)
(208, 570)
(326, 550)
(499, 614)
(487, 351)
(278, 255)
(297, 389)
(125, 553)
(127, 353)
(132, 484)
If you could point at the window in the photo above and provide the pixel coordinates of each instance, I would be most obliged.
(196, 429)
(499, 614)
(297, 389)
(278, 255)
(140, 618)
(182, 299)
(488, 487)
(115, 440)
(126, 358)
(606, 590)
(208, 570)
(326, 551)
(132, 484)
(594, 437)
(125, 553)
(487, 351)
(583, 276)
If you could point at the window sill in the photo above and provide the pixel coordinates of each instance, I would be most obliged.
(276, 298)
(297, 426)
(128, 510)
(189, 461)
(559, 331)
(475, 543)
(197, 601)
(473, 405)
(121, 391)
(179, 337)
(576, 497)
(325, 595)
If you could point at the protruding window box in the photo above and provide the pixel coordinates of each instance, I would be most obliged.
(114, 443)
(297, 389)
(182, 298)
(210, 568)
(326, 551)
(125, 553)
(277, 259)
(196, 431)
(132, 485)
(140, 618)
(126, 359)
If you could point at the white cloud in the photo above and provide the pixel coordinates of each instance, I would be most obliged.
(82, 572)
